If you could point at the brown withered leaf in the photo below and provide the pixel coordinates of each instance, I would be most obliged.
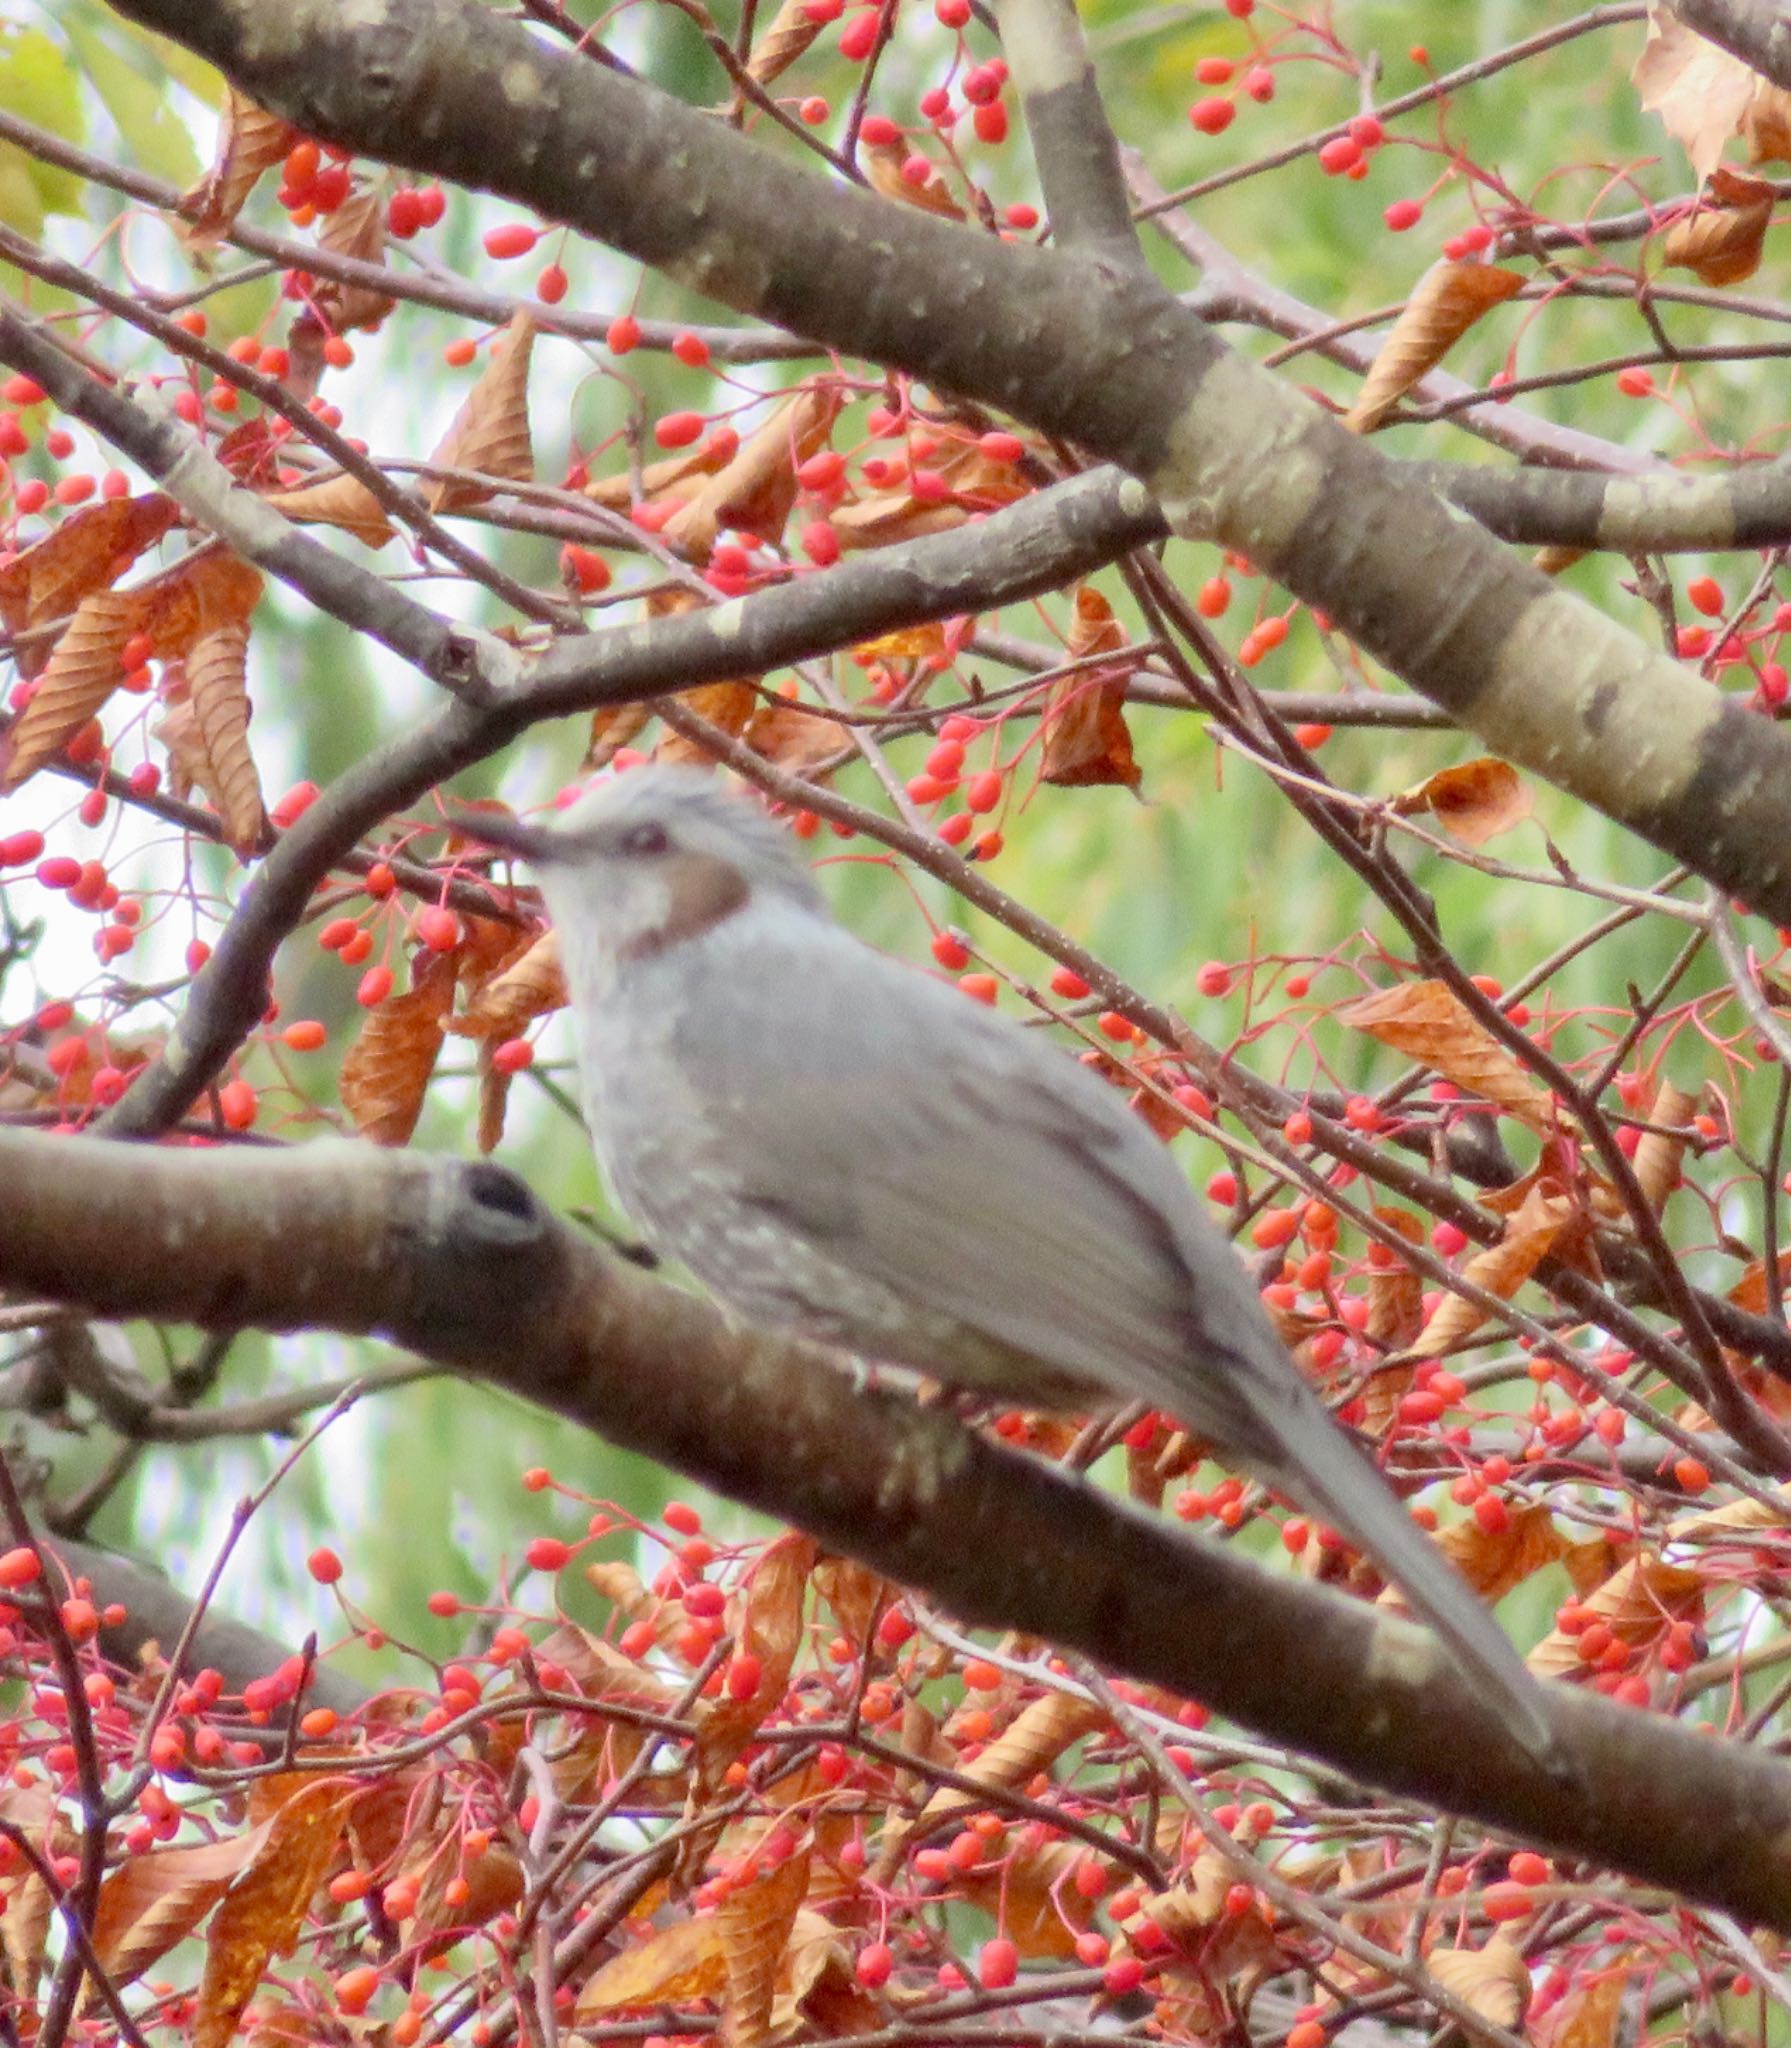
(357, 229)
(1035, 1738)
(494, 1101)
(1494, 1980)
(207, 589)
(525, 985)
(217, 687)
(1637, 1603)
(1474, 801)
(1721, 239)
(818, 1990)
(1493, 1564)
(1658, 1157)
(388, 1067)
(1703, 95)
(896, 516)
(607, 1744)
(754, 491)
(1395, 1316)
(882, 163)
(1501, 1269)
(781, 41)
(658, 479)
(755, 1923)
(856, 1594)
(793, 739)
(1425, 1021)
(86, 551)
(1450, 298)
(676, 1965)
(26, 1916)
(906, 643)
(490, 432)
(613, 727)
(263, 1912)
(771, 1630)
(342, 501)
(1587, 2017)
(150, 1902)
(83, 670)
(728, 705)
(250, 141)
(1086, 739)
(1040, 1911)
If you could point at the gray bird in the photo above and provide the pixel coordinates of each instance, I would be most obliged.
(833, 1140)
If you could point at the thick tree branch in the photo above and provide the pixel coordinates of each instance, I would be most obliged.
(460, 1264)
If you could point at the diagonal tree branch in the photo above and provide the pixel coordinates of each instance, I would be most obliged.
(460, 1264)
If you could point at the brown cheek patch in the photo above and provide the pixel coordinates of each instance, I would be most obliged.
(702, 892)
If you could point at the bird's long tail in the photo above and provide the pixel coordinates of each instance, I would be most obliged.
(1326, 1471)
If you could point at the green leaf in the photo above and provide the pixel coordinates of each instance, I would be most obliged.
(138, 103)
(38, 83)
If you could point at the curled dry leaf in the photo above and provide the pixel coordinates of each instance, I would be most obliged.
(1395, 1316)
(341, 501)
(1086, 739)
(617, 493)
(356, 229)
(727, 705)
(896, 516)
(795, 740)
(85, 552)
(263, 1913)
(490, 432)
(754, 491)
(524, 985)
(1637, 1603)
(1721, 239)
(1658, 1157)
(217, 687)
(149, 1902)
(607, 1743)
(1450, 298)
(1036, 1737)
(1028, 1889)
(1530, 1236)
(1474, 801)
(1426, 1021)
(83, 671)
(1703, 95)
(613, 727)
(494, 1101)
(1494, 1980)
(1589, 2014)
(883, 163)
(755, 1922)
(250, 141)
(676, 1965)
(770, 1629)
(781, 41)
(388, 1067)
(207, 589)
(1493, 1563)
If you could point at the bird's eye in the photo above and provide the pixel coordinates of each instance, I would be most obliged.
(644, 840)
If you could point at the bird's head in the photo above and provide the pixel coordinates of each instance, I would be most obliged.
(650, 860)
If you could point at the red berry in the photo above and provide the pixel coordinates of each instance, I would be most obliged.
(324, 1566)
(1635, 382)
(438, 928)
(513, 238)
(875, 1961)
(1340, 154)
(1403, 214)
(690, 349)
(1212, 116)
(950, 951)
(547, 1554)
(624, 334)
(1705, 594)
(375, 986)
(982, 792)
(238, 1105)
(999, 1964)
(678, 429)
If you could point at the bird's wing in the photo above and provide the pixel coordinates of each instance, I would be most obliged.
(980, 1171)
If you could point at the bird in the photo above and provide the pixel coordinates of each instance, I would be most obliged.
(840, 1142)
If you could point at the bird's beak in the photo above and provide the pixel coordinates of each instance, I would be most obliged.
(510, 835)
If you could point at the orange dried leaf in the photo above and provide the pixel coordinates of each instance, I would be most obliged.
(1659, 1157)
(883, 161)
(526, 985)
(1450, 298)
(1503, 1268)
(87, 551)
(490, 432)
(250, 141)
(755, 490)
(207, 589)
(755, 1922)
(340, 501)
(1087, 740)
(1040, 1911)
(795, 740)
(1036, 1737)
(677, 1965)
(217, 685)
(1475, 801)
(727, 705)
(1588, 2016)
(83, 671)
(1703, 95)
(1425, 1021)
(881, 522)
(1493, 1564)
(771, 1631)
(1494, 1980)
(1638, 1602)
(357, 228)
(151, 1901)
(494, 1100)
(1722, 238)
(262, 1914)
(906, 643)
(784, 38)
(388, 1067)
(617, 492)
